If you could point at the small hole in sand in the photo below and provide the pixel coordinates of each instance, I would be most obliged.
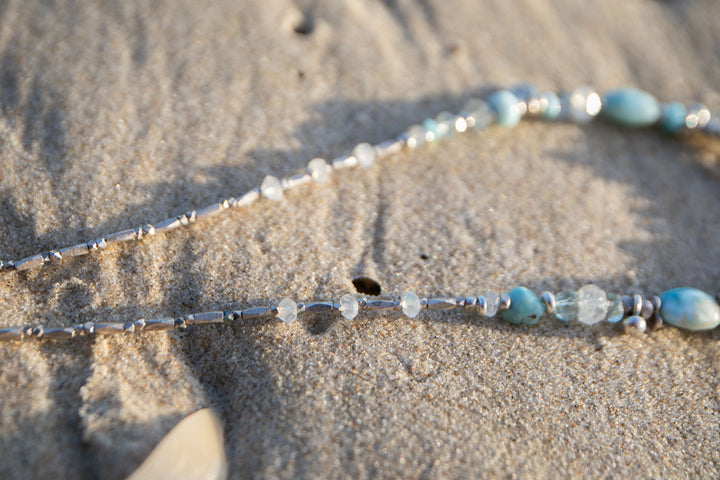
(367, 286)
(305, 26)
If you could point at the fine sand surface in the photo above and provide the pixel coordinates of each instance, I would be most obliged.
(115, 114)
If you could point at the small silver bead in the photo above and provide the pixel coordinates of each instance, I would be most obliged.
(470, 304)
(635, 325)
(481, 306)
(698, 115)
(548, 298)
(637, 304)
(504, 302)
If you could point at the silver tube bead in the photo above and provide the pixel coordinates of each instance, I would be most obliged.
(123, 236)
(59, 333)
(296, 181)
(11, 334)
(30, 262)
(317, 307)
(347, 161)
(210, 211)
(167, 225)
(75, 250)
(389, 147)
(379, 304)
(441, 303)
(548, 299)
(109, 328)
(256, 312)
(504, 302)
(206, 318)
(159, 324)
(7, 266)
(249, 198)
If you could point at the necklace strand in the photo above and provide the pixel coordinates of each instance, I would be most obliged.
(685, 307)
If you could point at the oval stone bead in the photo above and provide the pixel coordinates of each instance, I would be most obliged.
(631, 107)
(525, 307)
(690, 309)
(506, 107)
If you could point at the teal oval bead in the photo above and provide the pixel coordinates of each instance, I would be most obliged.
(506, 107)
(689, 308)
(630, 107)
(525, 307)
(672, 116)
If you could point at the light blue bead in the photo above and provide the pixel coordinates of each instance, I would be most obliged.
(689, 308)
(554, 107)
(525, 307)
(432, 133)
(672, 116)
(630, 107)
(506, 107)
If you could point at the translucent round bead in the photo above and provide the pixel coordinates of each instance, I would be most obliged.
(492, 303)
(581, 105)
(431, 130)
(477, 114)
(445, 124)
(630, 107)
(415, 136)
(550, 106)
(672, 116)
(271, 188)
(410, 304)
(566, 306)
(592, 304)
(319, 170)
(698, 115)
(287, 310)
(349, 306)
(365, 154)
(525, 307)
(506, 107)
(616, 311)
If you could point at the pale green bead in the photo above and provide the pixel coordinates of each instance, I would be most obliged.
(566, 306)
(506, 107)
(616, 310)
(630, 107)
(525, 307)
(689, 308)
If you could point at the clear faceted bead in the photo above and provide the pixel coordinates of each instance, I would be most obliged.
(271, 188)
(445, 124)
(478, 114)
(592, 304)
(566, 306)
(492, 300)
(365, 154)
(287, 310)
(349, 306)
(616, 311)
(319, 170)
(410, 304)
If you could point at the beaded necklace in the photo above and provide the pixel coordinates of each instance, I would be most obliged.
(684, 307)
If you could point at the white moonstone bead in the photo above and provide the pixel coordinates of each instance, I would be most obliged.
(271, 188)
(319, 170)
(582, 104)
(493, 303)
(592, 304)
(410, 304)
(365, 154)
(349, 306)
(287, 310)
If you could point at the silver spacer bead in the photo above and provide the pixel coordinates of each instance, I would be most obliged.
(698, 115)
(637, 304)
(470, 304)
(548, 298)
(504, 302)
(481, 306)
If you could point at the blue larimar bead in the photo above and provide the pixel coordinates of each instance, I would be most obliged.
(690, 309)
(506, 107)
(672, 116)
(525, 307)
(630, 107)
